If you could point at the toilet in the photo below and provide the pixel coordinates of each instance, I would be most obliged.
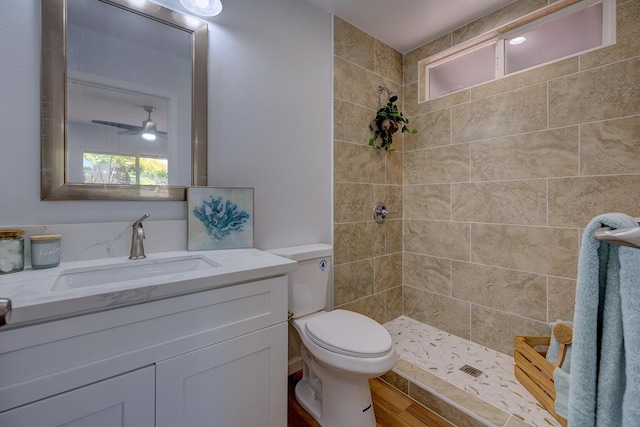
(341, 350)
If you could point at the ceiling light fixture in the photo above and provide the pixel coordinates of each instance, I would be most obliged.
(203, 7)
(517, 40)
(149, 131)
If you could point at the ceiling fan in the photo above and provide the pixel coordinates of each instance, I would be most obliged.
(147, 130)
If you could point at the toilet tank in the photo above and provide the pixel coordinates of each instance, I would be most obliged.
(309, 283)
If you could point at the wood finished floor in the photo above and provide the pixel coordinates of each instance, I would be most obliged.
(392, 408)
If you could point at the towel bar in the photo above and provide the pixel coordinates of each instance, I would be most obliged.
(625, 236)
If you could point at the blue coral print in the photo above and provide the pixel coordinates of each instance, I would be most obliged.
(220, 217)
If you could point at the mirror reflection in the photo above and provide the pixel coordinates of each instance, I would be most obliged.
(133, 101)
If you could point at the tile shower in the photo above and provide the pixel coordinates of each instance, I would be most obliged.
(492, 193)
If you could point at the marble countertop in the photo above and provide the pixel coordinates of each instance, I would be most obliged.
(34, 297)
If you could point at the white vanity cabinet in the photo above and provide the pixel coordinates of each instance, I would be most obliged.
(229, 383)
(214, 358)
(125, 400)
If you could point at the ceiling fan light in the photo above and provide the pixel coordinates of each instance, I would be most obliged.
(149, 132)
(203, 7)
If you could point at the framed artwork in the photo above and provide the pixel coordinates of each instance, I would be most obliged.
(219, 218)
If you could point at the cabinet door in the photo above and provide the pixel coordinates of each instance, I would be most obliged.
(241, 382)
(126, 400)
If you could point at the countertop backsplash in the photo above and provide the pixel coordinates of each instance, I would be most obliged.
(106, 240)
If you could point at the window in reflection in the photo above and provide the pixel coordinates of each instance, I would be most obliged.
(110, 168)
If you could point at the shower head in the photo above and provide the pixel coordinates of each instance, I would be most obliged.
(393, 97)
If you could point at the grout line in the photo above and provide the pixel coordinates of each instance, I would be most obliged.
(579, 150)
(547, 202)
(548, 121)
(548, 317)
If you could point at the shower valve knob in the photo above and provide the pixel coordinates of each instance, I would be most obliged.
(380, 212)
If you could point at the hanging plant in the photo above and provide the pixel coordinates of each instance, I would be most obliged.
(388, 121)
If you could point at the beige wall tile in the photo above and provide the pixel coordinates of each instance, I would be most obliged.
(437, 165)
(574, 201)
(412, 108)
(627, 38)
(428, 273)
(353, 281)
(506, 202)
(359, 86)
(393, 307)
(517, 292)
(437, 238)
(496, 329)
(351, 122)
(352, 202)
(393, 230)
(434, 129)
(447, 100)
(450, 315)
(562, 298)
(352, 44)
(496, 19)
(357, 241)
(517, 111)
(611, 147)
(412, 58)
(372, 306)
(540, 154)
(388, 62)
(427, 201)
(543, 250)
(388, 272)
(394, 162)
(526, 78)
(392, 197)
(603, 93)
(358, 163)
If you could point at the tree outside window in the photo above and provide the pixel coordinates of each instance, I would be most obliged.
(127, 169)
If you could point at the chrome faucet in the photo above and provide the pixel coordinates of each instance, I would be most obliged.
(137, 249)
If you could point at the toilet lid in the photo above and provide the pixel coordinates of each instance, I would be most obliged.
(349, 333)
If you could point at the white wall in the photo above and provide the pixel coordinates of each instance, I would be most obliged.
(272, 61)
(269, 120)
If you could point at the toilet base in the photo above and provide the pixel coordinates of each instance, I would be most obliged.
(308, 398)
(335, 399)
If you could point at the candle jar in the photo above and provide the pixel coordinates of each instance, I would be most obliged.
(45, 251)
(11, 251)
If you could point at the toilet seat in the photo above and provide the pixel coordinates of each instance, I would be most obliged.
(349, 333)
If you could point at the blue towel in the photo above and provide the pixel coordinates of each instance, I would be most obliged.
(561, 382)
(604, 387)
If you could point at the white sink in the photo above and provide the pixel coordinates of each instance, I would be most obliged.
(130, 270)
